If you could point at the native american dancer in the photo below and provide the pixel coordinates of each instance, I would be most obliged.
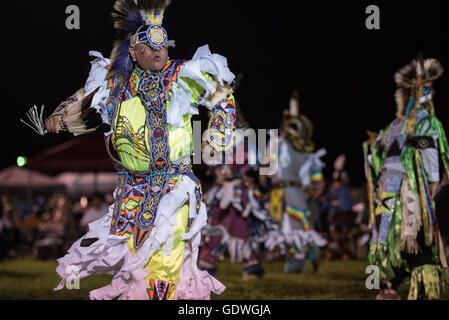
(149, 239)
(346, 232)
(403, 174)
(337, 197)
(239, 222)
(299, 168)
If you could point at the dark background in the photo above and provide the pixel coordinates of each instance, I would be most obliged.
(343, 71)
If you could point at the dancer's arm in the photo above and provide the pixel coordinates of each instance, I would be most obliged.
(208, 80)
(86, 110)
(53, 123)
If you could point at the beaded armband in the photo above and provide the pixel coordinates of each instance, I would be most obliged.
(61, 109)
(221, 126)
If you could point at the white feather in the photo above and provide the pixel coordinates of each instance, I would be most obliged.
(37, 122)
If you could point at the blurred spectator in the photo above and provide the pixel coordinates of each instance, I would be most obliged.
(70, 224)
(8, 233)
(4, 225)
(56, 228)
(45, 226)
(337, 197)
(109, 199)
(97, 208)
(349, 233)
(27, 231)
(361, 232)
(347, 223)
(11, 207)
(341, 242)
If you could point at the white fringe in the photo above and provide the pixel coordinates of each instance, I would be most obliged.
(411, 219)
(37, 122)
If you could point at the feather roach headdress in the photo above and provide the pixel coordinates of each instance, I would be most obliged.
(297, 127)
(136, 21)
(414, 83)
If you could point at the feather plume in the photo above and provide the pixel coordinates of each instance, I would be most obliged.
(221, 92)
(128, 17)
(431, 71)
(408, 83)
(339, 163)
(240, 120)
(79, 118)
(372, 136)
(294, 104)
(36, 122)
(238, 81)
(121, 63)
(298, 127)
(306, 132)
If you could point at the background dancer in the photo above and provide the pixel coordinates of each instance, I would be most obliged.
(299, 167)
(403, 174)
(239, 223)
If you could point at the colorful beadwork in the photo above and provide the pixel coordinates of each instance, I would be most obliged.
(126, 221)
(152, 91)
(221, 127)
(152, 87)
(157, 35)
(198, 196)
(159, 149)
(111, 107)
(62, 107)
(159, 290)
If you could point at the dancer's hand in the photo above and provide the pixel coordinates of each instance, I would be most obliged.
(52, 124)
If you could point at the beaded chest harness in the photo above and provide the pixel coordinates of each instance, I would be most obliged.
(152, 91)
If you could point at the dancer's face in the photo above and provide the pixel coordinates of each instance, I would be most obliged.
(149, 58)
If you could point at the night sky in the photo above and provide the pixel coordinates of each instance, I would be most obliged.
(343, 71)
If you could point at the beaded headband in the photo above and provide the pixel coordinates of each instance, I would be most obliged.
(155, 36)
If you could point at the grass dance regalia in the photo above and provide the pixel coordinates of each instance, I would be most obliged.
(239, 222)
(299, 168)
(149, 239)
(403, 172)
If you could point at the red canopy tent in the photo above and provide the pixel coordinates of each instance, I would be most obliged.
(15, 177)
(82, 154)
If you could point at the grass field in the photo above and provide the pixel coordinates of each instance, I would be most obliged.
(29, 279)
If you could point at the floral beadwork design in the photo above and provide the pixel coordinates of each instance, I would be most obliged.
(125, 135)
